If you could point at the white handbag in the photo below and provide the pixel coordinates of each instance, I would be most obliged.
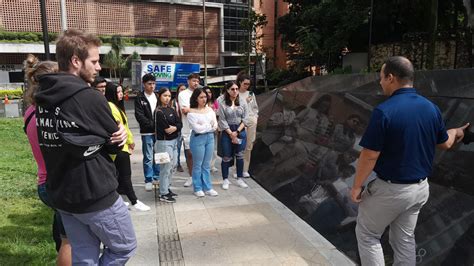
(162, 158)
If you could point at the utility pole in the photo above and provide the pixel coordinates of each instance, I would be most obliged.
(250, 35)
(44, 24)
(371, 15)
(63, 15)
(204, 38)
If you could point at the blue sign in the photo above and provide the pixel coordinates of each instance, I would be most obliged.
(169, 74)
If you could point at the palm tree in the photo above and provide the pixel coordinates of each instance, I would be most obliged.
(113, 59)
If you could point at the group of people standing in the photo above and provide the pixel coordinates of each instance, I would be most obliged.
(82, 143)
(199, 122)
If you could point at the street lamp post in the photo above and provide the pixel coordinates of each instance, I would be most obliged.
(204, 38)
(44, 24)
(63, 15)
(371, 14)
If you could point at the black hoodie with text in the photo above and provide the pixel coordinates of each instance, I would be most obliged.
(74, 125)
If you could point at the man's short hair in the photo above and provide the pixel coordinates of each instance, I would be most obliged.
(74, 42)
(193, 76)
(97, 80)
(400, 67)
(147, 77)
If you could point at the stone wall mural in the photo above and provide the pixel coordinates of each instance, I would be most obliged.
(307, 149)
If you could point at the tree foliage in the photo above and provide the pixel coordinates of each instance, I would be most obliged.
(119, 65)
(315, 31)
(252, 46)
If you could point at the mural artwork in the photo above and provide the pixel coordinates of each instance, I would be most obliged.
(307, 148)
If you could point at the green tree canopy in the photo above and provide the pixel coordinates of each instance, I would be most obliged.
(315, 31)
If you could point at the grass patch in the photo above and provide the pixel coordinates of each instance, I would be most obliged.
(25, 222)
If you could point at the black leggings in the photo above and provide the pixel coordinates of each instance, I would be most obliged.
(124, 172)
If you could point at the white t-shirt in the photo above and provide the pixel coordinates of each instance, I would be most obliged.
(184, 98)
(152, 100)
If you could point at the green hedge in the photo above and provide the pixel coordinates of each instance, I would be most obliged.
(24, 37)
(33, 37)
(173, 43)
(12, 94)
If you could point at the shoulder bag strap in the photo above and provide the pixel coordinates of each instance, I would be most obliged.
(28, 119)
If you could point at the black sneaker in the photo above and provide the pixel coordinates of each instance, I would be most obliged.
(167, 198)
(172, 193)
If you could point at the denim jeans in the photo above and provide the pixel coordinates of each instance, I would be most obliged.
(202, 147)
(230, 150)
(150, 169)
(111, 226)
(169, 146)
(58, 231)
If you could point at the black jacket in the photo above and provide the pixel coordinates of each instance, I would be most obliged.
(143, 113)
(74, 127)
(166, 117)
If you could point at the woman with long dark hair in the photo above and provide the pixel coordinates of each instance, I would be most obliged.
(114, 95)
(203, 124)
(167, 129)
(233, 116)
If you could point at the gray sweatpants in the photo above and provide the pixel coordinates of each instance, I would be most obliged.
(112, 226)
(395, 205)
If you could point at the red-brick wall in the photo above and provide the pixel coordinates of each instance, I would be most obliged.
(108, 17)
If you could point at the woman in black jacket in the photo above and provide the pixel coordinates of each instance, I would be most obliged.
(167, 127)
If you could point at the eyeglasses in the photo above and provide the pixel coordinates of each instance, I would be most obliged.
(246, 83)
(233, 89)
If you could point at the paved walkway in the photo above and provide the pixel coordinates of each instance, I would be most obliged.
(239, 227)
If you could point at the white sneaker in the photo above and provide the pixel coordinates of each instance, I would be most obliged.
(235, 175)
(214, 169)
(225, 184)
(246, 174)
(212, 193)
(189, 182)
(149, 186)
(140, 206)
(199, 194)
(242, 183)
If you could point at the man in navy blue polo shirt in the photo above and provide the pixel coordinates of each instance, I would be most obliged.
(399, 145)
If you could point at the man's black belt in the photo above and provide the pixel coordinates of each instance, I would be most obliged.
(413, 181)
